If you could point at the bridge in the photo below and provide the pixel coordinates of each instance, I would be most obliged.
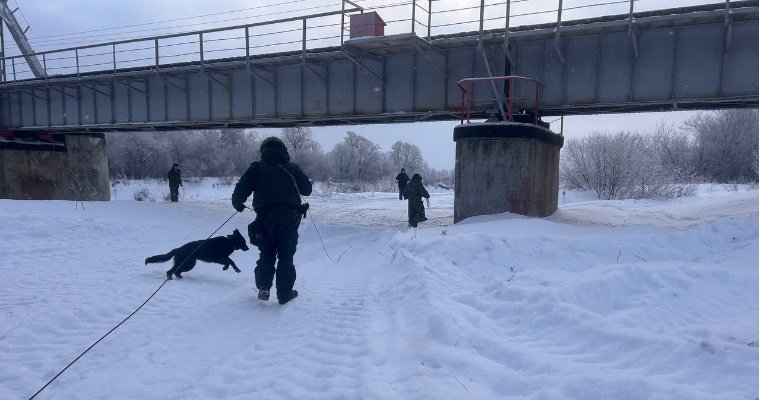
(55, 104)
(700, 57)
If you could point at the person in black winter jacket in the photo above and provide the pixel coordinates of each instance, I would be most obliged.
(402, 179)
(277, 186)
(414, 192)
(175, 181)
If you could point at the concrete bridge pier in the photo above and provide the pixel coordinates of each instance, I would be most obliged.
(42, 166)
(506, 167)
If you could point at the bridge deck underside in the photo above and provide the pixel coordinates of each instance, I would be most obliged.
(693, 60)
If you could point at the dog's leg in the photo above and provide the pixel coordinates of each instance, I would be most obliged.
(229, 260)
(185, 266)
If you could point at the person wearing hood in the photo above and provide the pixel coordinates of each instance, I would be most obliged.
(414, 193)
(277, 186)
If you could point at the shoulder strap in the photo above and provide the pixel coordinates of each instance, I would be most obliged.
(293, 179)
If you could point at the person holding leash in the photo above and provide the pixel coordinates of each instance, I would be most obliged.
(175, 181)
(402, 179)
(277, 186)
(414, 193)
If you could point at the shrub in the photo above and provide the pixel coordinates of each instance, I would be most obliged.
(144, 194)
(622, 166)
(224, 181)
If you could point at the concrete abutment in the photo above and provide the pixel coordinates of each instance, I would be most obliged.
(506, 167)
(68, 167)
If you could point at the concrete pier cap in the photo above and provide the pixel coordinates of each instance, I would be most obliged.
(506, 167)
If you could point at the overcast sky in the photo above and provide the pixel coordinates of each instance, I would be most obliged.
(67, 23)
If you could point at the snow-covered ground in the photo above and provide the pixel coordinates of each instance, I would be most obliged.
(602, 300)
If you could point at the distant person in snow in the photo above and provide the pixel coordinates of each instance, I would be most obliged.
(402, 179)
(175, 181)
(277, 186)
(414, 193)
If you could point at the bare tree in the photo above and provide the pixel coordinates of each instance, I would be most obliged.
(341, 160)
(724, 144)
(620, 166)
(304, 150)
(134, 154)
(365, 156)
(406, 155)
(299, 140)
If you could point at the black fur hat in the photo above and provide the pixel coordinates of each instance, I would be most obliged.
(271, 141)
(416, 177)
(274, 151)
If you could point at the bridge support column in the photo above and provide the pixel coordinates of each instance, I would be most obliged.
(74, 167)
(506, 167)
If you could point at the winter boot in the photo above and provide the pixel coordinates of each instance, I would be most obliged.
(293, 295)
(264, 294)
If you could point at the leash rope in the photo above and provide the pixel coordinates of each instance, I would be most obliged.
(130, 315)
(98, 341)
(323, 243)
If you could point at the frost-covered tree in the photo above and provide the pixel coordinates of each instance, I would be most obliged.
(620, 166)
(305, 151)
(724, 144)
(341, 161)
(406, 155)
(365, 157)
(133, 155)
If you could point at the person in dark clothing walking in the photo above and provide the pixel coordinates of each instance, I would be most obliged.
(277, 186)
(414, 193)
(175, 181)
(402, 179)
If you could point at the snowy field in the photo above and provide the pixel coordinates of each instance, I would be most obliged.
(602, 300)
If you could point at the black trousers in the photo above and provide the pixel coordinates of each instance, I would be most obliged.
(174, 192)
(401, 192)
(416, 212)
(280, 238)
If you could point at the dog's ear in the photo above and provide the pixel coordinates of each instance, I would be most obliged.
(240, 239)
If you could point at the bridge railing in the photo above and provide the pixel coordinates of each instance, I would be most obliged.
(423, 17)
(287, 34)
(512, 102)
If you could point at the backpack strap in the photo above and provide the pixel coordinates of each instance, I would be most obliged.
(304, 206)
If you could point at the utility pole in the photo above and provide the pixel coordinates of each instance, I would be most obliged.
(19, 35)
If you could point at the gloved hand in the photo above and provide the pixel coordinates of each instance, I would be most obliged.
(238, 207)
(428, 202)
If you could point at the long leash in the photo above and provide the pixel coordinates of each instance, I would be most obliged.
(130, 315)
(323, 243)
(298, 192)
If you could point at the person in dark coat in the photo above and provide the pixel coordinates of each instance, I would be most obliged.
(402, 179)
(175, 181)
(414, 193)
(277, 186)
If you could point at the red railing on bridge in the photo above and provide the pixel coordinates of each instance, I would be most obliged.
(466, 104)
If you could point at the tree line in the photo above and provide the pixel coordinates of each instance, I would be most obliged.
(228, 152)
(720, 146)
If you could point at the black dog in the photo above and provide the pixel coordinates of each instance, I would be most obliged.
(214, 250)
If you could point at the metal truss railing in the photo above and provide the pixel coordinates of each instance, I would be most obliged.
(200, 46)
(301, 33)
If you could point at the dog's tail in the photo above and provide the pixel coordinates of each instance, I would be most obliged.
(159, 258)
